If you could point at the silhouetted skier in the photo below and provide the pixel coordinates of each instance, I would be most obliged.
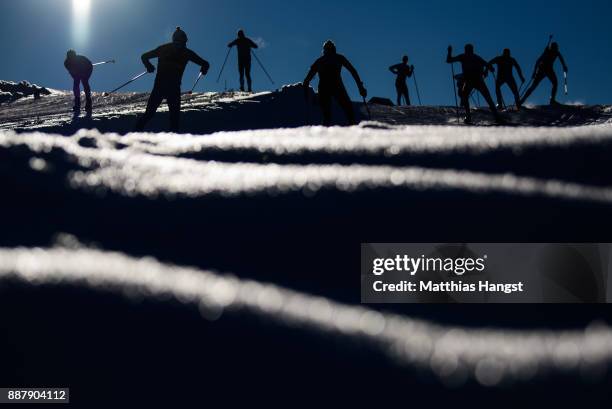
(172, 60)
(80, 68)
(329, 68)
(544, 68)
(403, 71)
(244, 46)
(505, 63)
(475, 70)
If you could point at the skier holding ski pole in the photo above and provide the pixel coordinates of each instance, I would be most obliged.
(475, 69)
(80, 69)
(544, 68)
(172, 60)
(329, 68)
(402, 72)
(244, 46)
(505, 64)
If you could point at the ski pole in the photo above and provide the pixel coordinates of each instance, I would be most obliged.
(565, 77)
(104, 62)
(455, 91)
(128, 83)
(367, 109)
(224, 62)
(416, 86)
(262, 67)
(196, 83)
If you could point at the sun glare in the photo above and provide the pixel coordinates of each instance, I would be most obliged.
(81, 7)
(80, 22)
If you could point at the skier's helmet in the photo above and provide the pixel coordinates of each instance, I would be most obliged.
(405, 59)
(240, 33)
(179, 36)
(329, 47)
(469, 49)
(507, 52)
(71, 54)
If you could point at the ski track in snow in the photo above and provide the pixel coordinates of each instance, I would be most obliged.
(492, 357)
(134, 170)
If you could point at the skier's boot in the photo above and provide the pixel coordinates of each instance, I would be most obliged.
(554, 102)
(468, 120)
(76, 110)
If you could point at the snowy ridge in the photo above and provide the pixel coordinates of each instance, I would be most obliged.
(206, 113)
(131, 171)
(492, 357)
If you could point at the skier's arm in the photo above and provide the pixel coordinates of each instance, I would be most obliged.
(518, 69)
(196, 59)
(355, 74)
(394, 69)
(233, 43)
(449, 56)
(563, 62)
(311, 74)
(148, 56)
(253, 44)
(410, 71)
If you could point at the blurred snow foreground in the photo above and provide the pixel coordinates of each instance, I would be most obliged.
(539, 168)
(491, 357)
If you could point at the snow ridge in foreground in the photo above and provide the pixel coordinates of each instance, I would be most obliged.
(492, 357)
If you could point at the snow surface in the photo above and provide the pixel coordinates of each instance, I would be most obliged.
(205, 113)
(491, 357)
(290, 205)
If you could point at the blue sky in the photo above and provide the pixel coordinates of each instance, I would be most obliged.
(372, 34)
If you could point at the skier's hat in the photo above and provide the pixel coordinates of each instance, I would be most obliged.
(179, 36)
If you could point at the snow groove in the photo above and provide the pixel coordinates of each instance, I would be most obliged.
(492, 357)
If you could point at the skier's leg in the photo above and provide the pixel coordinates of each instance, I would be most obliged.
(241, 72)
(555, 86)
(514, 88)
(87, 89)
(407, 95)
(173, 100)
(345, 103)
(498, 92)
(155, 99)
(484, 91)
(536, 82)
(398, 89)
(247, 69)
(76, 90)
(326, 104)
(464, 92)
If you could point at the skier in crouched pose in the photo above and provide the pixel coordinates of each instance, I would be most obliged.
(329, 68)
(80, 69)
(475, 69)
(172, 60)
